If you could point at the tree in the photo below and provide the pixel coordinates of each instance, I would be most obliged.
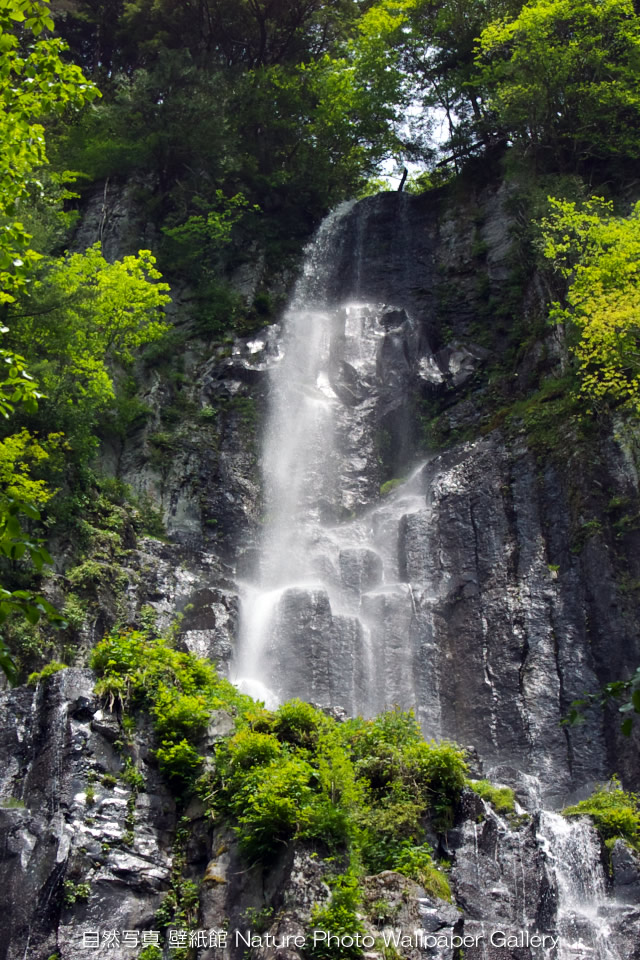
(18, 497)
(562, 77)
(598, 254)
(81, 319)
(34, 81)
(438, 44)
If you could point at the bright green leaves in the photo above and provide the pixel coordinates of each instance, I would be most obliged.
(615, 813)
(84, 317)
(563, 75)
(362, 788)
(180, 691)
(33, 84)
(18, 545)
(598, 254)
(19, 494)
(96, 311)
(16, 385)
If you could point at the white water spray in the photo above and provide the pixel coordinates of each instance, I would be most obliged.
(325, 616)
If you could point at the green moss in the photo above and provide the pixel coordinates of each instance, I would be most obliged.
(47, 671)
(502, 798)
(390, 485)
(615, 813)
(88, 573)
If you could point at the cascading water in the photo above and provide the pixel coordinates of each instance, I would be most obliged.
(327, 616)
(586, 917)
(348, 597)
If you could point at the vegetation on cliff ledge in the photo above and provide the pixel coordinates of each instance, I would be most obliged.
(363, 793)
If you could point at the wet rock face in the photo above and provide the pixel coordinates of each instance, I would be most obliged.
(68, 865)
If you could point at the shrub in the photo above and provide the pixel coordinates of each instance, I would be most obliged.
(615, 813)
(178, 761)
(339, 917)
(416, 862)
(362, 790)
(179, 690)
(298, 723)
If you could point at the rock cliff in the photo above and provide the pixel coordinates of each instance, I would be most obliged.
(477, 561)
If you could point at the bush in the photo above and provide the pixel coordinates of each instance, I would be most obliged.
(179, 761)
(615, 813)
(138, 671)
(363, 790)
(340, 918)
(297, 723)
(416, 862)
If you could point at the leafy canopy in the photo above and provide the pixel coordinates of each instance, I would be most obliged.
(34, 81)
(564, 75)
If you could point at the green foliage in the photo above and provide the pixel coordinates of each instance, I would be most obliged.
(615, 813)
(502, 798)
(562, 76)
(74, 611)
(18, 494)
(598, 254)
(47, 671)
(390, 485)
(194, 120)
(194, 245)
(139, 671)
(85, 315)
(150, 952)
(627, 691)
(179, 907)
(74, 892)
(340, 917)
(364, 790)
(367, 787)
(417, 863)
(132, 776)
(34, 81)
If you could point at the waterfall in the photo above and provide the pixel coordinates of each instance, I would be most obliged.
(348, 601)
(587, 919)
(328, 615)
